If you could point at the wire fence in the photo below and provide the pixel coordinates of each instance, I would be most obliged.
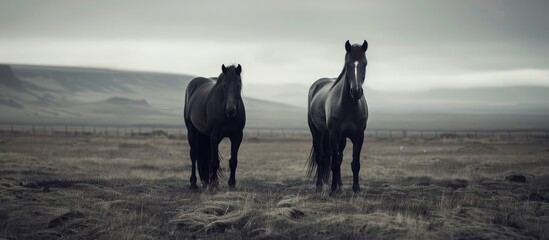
(181, 132)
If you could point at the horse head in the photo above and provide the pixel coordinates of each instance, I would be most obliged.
(231, 84)
(355, 67)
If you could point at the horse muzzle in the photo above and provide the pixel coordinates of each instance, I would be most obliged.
(230, 112)
(356, 93)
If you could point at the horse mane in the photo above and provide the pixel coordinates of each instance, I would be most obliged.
(219, 78)
(222, 75)
(339, 77)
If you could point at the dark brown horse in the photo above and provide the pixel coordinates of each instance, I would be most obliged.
(337, 110)
(214, 110)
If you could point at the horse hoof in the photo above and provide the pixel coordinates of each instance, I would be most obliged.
(356, 188)
(334, 190)
(232, 184)
(213, 185)
(193, 187)
(318, 188)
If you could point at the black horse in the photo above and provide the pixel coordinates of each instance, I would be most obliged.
(214, 110)
(337, 110)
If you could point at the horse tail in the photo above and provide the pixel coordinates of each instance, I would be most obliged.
(312, 165)
(205, 160)
(203, 163)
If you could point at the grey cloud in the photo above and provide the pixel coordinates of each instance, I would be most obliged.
(389, 21)
(445, 37)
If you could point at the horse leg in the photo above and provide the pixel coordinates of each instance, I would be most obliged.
(235, 145)
(193, 142)
(203, 162)
(334, 149)
(342, 146)
(194, 158)
(325, 157)
(318, 155)
(355, 164)
(214, 160)
(320, 163)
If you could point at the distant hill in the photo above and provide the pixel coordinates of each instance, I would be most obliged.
(8, 79)
(497, 100)
(126, 101)
(74, 95)
(472, 108)
(487, 100)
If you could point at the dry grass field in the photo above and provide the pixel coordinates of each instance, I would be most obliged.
(137, 188)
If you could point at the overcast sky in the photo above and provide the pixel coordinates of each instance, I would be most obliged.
(414, 45)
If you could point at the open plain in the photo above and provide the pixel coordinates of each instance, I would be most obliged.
(137, 188)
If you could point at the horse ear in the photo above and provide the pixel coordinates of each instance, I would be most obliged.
(223, 68)
(364, 46)
(238, 69)
(347, 46)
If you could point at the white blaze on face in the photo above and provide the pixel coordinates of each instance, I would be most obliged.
(356, 69)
